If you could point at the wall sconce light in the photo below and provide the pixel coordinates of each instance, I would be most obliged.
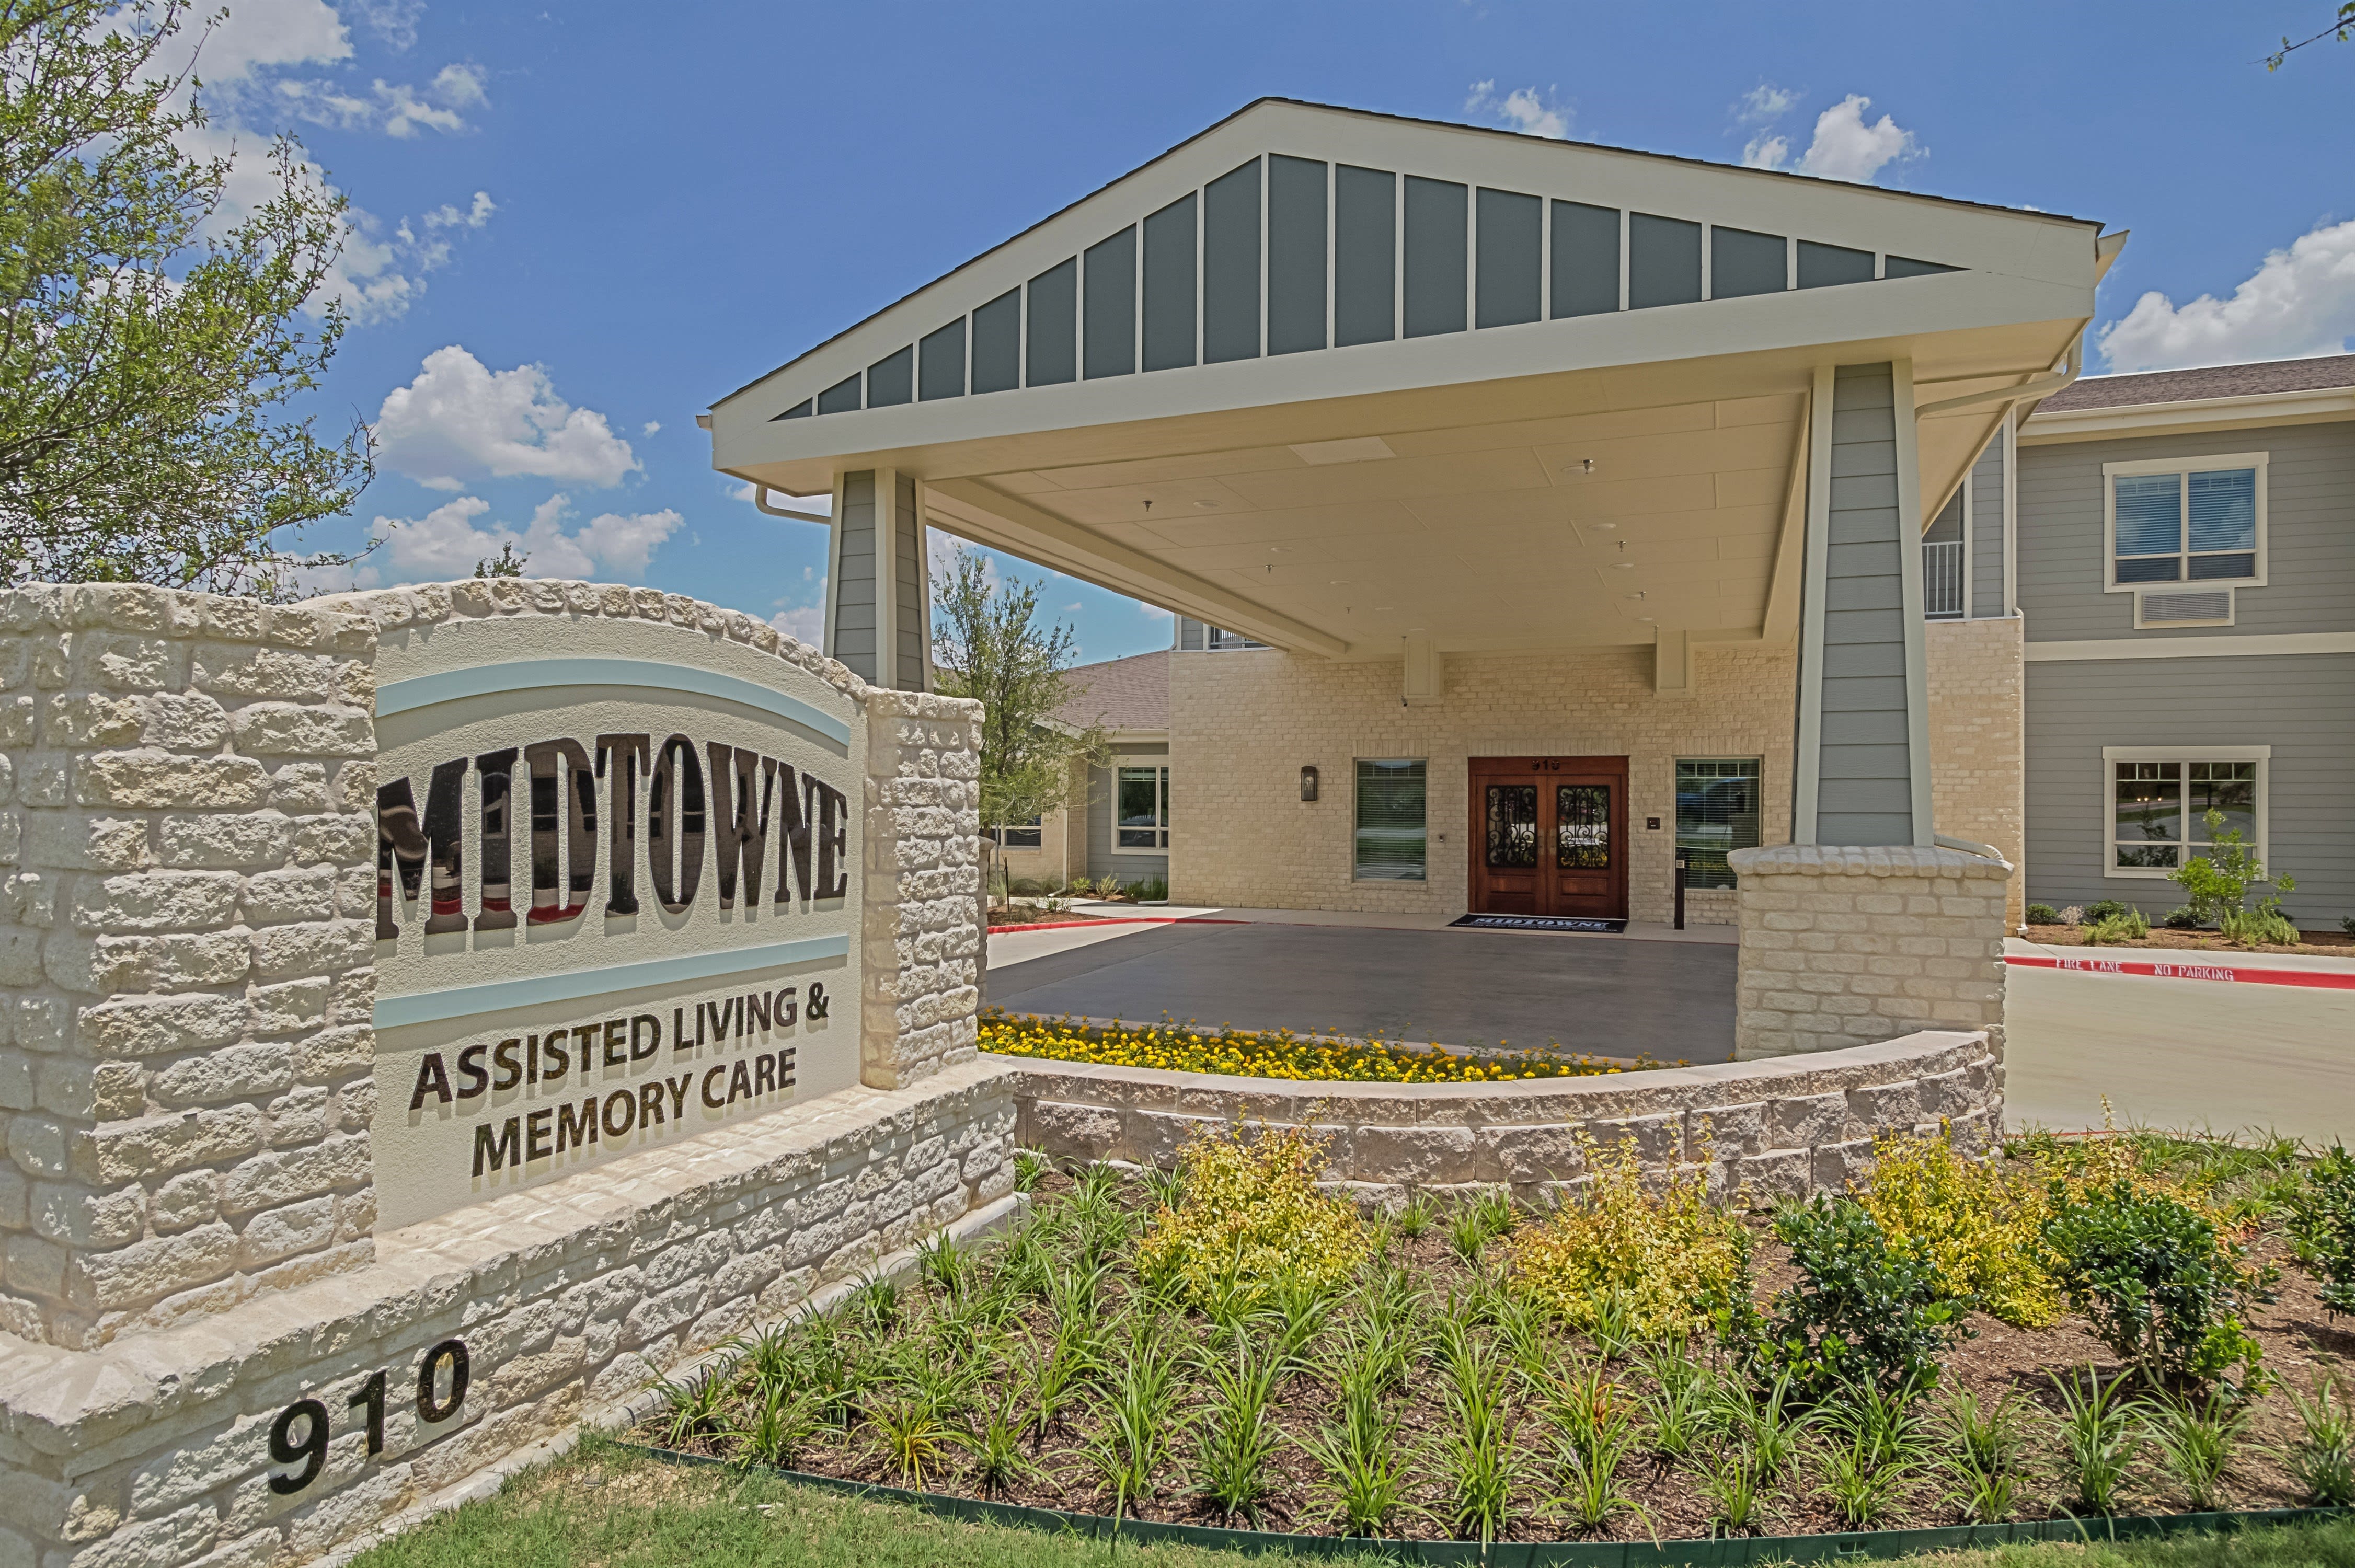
(1308, 783)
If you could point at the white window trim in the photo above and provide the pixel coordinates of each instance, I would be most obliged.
(2112, 471)
(2112, 755)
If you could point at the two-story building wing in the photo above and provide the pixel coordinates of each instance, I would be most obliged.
(2184, 567)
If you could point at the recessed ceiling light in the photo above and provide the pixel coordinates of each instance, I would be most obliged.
(1279, 549)
(1337, 582)
(1206, 505)
(1381, 607)
(1580, 468)
(1602, 525)
(1623, 566)
(1637, 594)
(1646, 619)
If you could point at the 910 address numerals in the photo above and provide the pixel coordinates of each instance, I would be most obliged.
(311, 1450)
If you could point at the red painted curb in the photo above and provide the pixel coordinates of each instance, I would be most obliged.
(2172, 969)
(1119, 920)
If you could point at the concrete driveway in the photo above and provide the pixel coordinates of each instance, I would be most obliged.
(1600, 996)
(2180, 1054)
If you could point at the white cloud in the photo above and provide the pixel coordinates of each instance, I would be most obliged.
(2299, 302)
(393, 21)
(448, 217)
(1765, 104)
(459, 419)
(1847, 148)
(446, 542)
(807, 624)
(1765, 152)
(397, 109)
(652, 427)
(245, 63)
(1521, 110)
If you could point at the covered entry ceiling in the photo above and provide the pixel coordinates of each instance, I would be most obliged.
(1333, 379)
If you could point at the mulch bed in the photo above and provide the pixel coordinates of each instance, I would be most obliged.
(2322, 943)
(2300, 1341)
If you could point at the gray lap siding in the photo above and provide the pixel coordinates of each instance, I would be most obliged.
(2302, 706)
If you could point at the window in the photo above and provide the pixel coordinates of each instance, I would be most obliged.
(1389, 836)
(1019, 834)
(1717, 812)
(2156, 804)
(1141, 809)
(1227, 642)
(2197, 519)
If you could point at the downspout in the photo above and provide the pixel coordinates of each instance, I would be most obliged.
(760, 502)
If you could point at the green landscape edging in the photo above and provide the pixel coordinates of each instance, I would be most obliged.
(1728, 1552)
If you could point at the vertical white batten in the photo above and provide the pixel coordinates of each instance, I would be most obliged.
(1910, 523)
(1807, 775)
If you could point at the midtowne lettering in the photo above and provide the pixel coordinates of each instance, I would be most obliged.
(751, 798)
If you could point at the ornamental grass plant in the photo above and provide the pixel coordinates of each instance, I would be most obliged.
(1229, 1344)
(1315, 1058)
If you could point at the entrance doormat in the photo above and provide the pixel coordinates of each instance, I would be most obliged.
(1538, 923)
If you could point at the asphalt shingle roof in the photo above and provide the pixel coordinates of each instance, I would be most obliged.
(1127, 694)
(2214, 381)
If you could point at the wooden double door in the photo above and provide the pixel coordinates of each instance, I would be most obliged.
(1550, 836)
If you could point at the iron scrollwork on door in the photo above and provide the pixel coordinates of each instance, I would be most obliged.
(1583, 828)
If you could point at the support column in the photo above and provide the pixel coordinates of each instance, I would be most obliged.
(1862, 928)
(878, 587)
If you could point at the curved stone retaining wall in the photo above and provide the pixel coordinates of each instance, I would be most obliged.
(1784, 1126)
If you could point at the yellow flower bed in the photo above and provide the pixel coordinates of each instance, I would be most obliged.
(1280, 1054)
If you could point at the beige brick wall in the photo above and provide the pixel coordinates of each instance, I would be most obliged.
(1978, 743)
(1843, 947)
(1243, 724)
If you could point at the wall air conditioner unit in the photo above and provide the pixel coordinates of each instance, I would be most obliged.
(2182, 607)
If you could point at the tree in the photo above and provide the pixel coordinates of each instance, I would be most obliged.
(147, 347)
(2342, 27)
(510, 562)
(988, 645)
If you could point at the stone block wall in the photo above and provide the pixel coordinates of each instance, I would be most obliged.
(188, 1243)
(1978, 743)
(570, 1300)
(1841, 947)
(186, 1050)
(924, 944)
(1779, 1128)
(1243, 724)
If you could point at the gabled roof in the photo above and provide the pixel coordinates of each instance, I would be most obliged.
(2256, 380)
(1125, 695)
(1513, 138)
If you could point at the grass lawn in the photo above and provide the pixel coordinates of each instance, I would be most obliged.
(609, 1507)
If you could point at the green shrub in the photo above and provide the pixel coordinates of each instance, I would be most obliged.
(1865, 1314)
(2217, 883)
(1252, 1217)
(1667, 1257)
(2264, 926)
(2108, 909)
(2043, 914)
(2184, 919)
(1978, 1226)
(2161, 1288)
(1152, 889)
(2322, 1226)
(2113, 929)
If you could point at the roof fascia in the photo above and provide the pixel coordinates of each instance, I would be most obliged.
(2253, 410)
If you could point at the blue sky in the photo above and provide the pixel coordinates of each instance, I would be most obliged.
(575, 225)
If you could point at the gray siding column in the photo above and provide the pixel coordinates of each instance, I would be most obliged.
(1864, 753)
(878, 613)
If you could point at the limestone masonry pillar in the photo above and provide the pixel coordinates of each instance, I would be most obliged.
(1844, 946)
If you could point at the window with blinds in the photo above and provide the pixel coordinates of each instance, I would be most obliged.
(2186, 522)
(1717, 813)
(1390, 824)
